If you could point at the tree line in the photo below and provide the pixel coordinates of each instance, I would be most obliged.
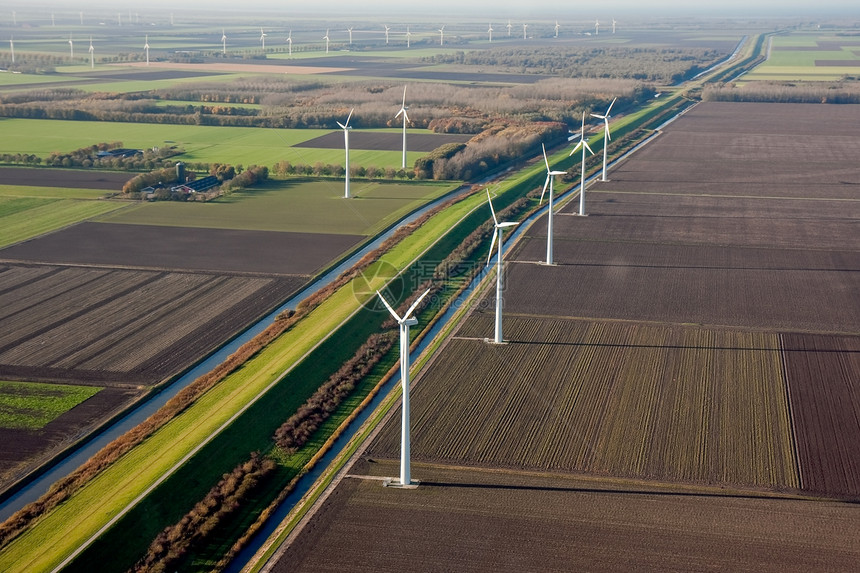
(844, 92)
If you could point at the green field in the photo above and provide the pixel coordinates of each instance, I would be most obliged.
(29, 406)
(797, 64)
(23, 218)
(8, 191)
(306, 206)
(207, 144)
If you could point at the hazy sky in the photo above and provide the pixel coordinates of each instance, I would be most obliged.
(495, 9)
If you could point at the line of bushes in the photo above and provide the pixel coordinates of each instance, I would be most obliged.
(172, 545)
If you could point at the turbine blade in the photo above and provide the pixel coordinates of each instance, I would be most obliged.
(598, 116)
(608, 135)
(610, 107)
(406, 115)
(587, 146)
(399, 112)
(415, 304)
(576, 148)
(545, 160)
(508, 224)
(349, 117)
(388, 306)
(492, 244)
(493, 211)
(342, 126)
(404, 97)
(545, 185)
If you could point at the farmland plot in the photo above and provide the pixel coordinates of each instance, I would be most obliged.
(624, 399)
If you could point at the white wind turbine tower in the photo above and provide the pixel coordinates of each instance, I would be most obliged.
(606, 136)
(82, 18)
(509, 28)
(556, 28)
(223, 41)
(92, 54)
(408, 36)
(53, 24)
(490, 31)
(350, 35)
(404, 322)
(12, 47)
(71, 47)
(497, 234)
(14, 18)
(290, 42)
(613, 25)
(597, 27)
(326, 38)
(442, 36)
(118, 19)
(386, 33)
(584, 144)
(146, 48)
(403, 109)
(524, 31)
(345, 127)
(263, 38)
(550, 176)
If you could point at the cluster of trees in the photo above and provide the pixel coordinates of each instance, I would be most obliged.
(88, 157)
(647, 64)
(31, 63)
(158, 177)
(286, 168)
(296, 431)
(785, 92)
(246, 178)
(172, 545)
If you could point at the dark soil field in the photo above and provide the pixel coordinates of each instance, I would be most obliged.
(69, 178)
(473, 520)
(385, 141)
(184, 248)
(700, 333)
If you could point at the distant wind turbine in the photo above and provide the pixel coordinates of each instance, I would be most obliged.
(263, 38)
(442, 36)
(613, 25)
(223, 41)
(71, 47)
(556, 28)
(290, 42)
(386, 33)
(550, 176)
(403, 109)
(490, 31)
(524, 31)
(326, 38)
(497, 234)
(92, 54)
(146, 48)
(408, 36)
(345, 127)
(12, 47)
(606, 136)
(509, 28)
(597, 27)
(584, 144)
(350, 35)
(404, 322)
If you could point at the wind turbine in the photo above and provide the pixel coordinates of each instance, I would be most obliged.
(597, 27)
(509, 28)
(119, 19)
(326, 46)
(290, 42)
(403, 109)
(345, 127)
(405, 322)
(350, 35)
(524, 31)
(92, 54)
(613, 25)
(223, 41)
(556, 28)
(442, 36)
(584, 144)
(386, 33)
(71, 47)
(497, 234)
(263, 38)
(606, 136)
(12, 47)
(146, 48)
(408, 36)
(82, 18)
(550, 176)
(490, 31)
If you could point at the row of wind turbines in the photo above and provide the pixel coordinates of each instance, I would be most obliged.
(499, 227)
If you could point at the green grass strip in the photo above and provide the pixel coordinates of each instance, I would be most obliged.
(30, 405)
(50, 216)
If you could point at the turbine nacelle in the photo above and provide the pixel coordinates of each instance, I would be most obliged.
(344, 126)
(499, 227)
